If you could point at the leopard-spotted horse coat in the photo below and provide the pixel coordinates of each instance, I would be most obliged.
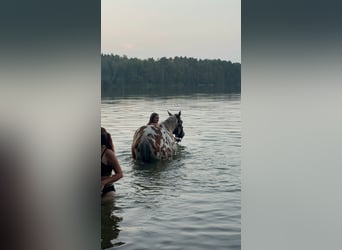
(152, 143)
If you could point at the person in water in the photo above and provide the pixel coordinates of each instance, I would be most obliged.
(154, 119)
(109, 163)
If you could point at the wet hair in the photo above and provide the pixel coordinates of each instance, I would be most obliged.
(106, 139)
(152, 117)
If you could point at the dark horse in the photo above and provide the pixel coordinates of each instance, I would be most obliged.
(158, 143)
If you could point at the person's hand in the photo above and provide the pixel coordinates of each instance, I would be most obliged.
(106, 182)
(103, 183)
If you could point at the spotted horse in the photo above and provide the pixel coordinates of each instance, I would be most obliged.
(152, 143)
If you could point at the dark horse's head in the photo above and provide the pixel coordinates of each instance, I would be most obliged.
(178, 131)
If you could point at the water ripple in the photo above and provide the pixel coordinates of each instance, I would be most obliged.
(191, 202)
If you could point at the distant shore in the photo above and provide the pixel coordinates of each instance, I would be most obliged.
(123, 76)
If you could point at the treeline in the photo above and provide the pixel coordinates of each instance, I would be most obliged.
(122, 76)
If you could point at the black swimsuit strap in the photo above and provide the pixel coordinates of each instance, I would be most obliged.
(103, 153)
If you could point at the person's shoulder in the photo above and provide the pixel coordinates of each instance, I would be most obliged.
(110, 155)
(153, 124)
(109, 152)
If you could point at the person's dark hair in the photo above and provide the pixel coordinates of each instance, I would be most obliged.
(106, 139)
(152, 117)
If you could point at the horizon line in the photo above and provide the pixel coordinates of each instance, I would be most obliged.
(158, 58)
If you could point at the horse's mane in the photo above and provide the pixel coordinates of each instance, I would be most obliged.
(170, 123)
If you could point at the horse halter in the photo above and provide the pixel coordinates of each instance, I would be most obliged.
(179, 132)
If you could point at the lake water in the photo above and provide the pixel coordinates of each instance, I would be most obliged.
(190, 202)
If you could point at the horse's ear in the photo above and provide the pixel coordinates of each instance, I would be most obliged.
(179, 113)
(169, 113)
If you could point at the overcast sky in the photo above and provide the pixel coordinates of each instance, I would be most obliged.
(206, 29)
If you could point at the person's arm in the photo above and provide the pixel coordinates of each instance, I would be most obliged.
(112, 161)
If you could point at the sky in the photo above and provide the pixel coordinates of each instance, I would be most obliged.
(203, 29)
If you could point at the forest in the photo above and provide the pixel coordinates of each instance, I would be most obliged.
(123, 76)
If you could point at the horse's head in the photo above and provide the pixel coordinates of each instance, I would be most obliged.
(178, 131)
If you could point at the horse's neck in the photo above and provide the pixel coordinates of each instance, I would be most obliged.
(169, 124)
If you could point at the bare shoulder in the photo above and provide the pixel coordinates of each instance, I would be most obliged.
(110, 157)
(109, 153)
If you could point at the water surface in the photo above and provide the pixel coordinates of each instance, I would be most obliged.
(190, 202)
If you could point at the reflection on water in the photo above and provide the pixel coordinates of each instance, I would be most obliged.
(191, 202)
(109, 225)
